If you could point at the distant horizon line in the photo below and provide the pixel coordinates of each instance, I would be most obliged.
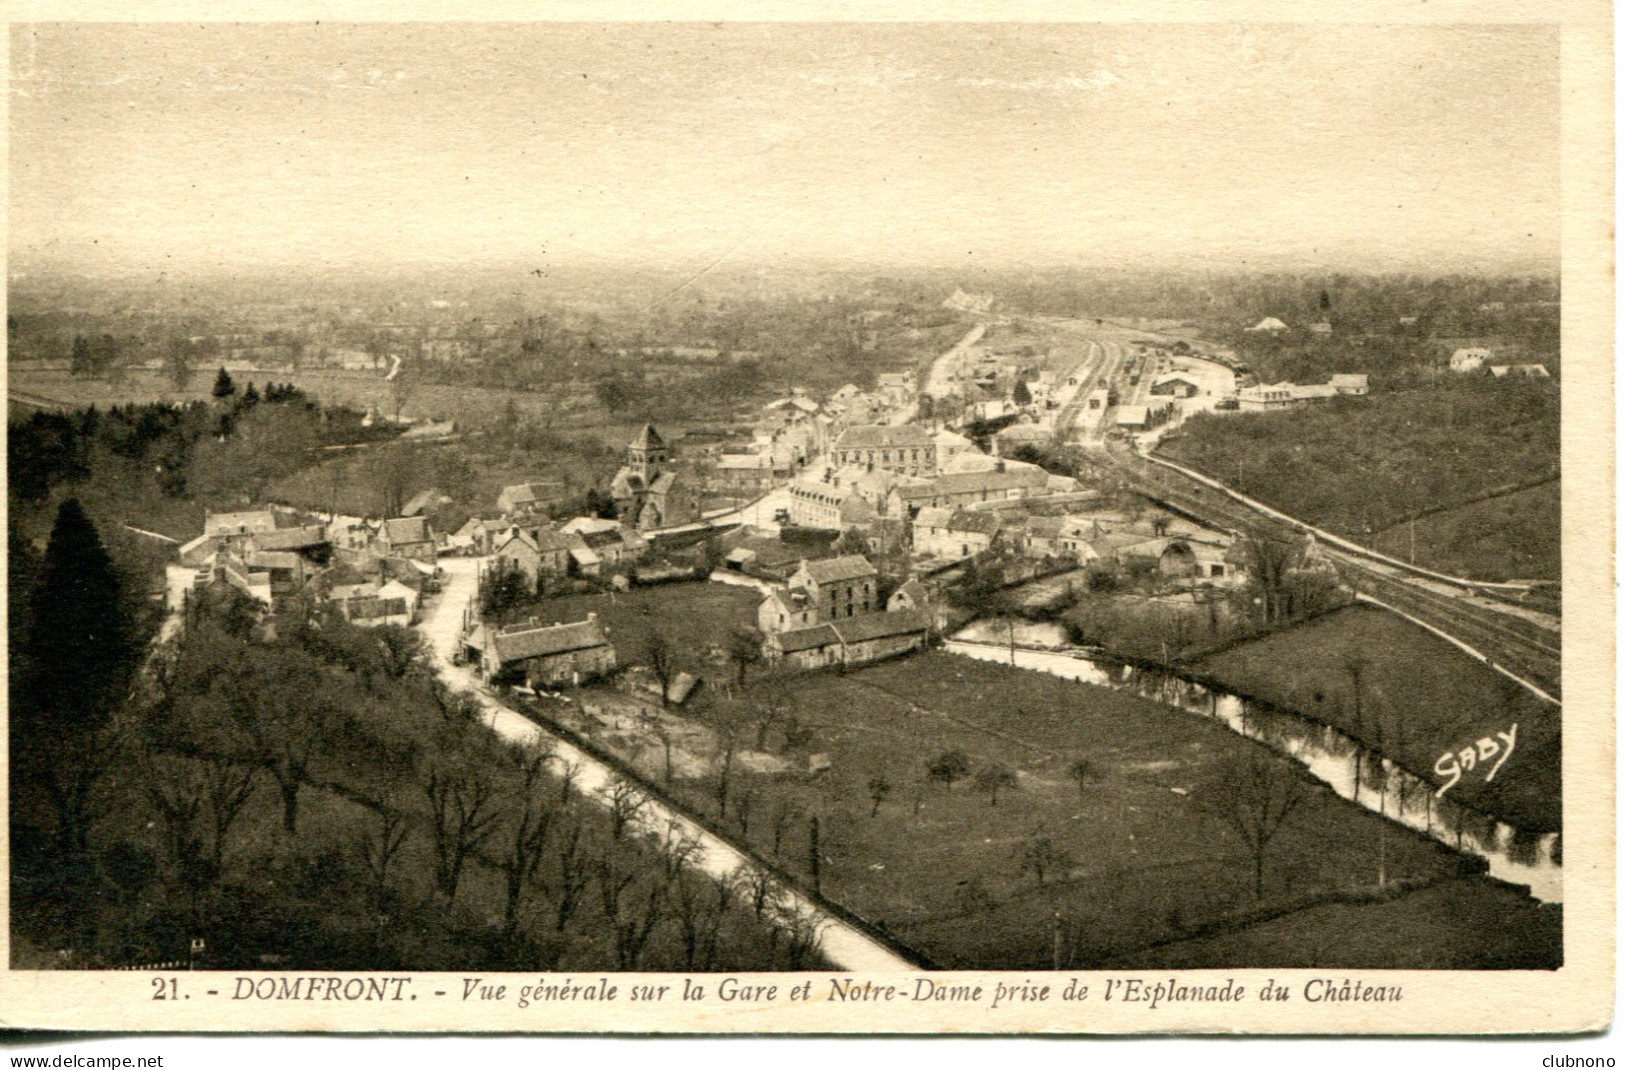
(26, 264)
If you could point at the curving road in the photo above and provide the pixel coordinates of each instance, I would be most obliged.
(843, 945)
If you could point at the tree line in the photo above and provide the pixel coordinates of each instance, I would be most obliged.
(294, 790)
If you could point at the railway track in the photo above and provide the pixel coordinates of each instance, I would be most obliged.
(1526, 655)
(1515, 644)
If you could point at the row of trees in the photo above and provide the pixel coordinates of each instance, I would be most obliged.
(319, 799)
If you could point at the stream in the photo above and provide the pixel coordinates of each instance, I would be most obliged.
(1328, 754)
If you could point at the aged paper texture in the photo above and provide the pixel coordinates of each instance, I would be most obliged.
(1071, 519)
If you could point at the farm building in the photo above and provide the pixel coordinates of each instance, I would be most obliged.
(535, 552)
(407, 536)
(850, 642)
(1178, 386)
(546, 655)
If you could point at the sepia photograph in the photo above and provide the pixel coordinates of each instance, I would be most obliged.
(587, 500)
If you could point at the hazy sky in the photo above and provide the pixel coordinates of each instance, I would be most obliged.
(192, 146)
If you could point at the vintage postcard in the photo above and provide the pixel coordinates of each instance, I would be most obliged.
(1057, 520)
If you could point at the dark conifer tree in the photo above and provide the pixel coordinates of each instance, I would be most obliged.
(223, 386)
(251, 397)
(79, 652)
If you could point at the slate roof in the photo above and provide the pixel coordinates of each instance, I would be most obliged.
(648, 438)
(407, 529)
(1012, 478)
(273, 559)
(372, 608)
(258, 521)
(547, 641)
(881, 625)
(839, 569)
(291, 538)
(549, 541)
(519, 536)
(980, 523)
(879, 436)
(806, 638)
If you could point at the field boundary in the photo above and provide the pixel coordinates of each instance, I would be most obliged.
(1488, 496)
(1471, 652)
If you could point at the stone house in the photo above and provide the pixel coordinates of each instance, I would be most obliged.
(906, 449)
(547, 655)
(407, 536)
(850, 642)
(838, 587)
(534, 552)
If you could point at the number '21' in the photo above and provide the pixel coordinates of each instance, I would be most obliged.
(165, 988)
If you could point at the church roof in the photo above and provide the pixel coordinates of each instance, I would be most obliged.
(648, 439)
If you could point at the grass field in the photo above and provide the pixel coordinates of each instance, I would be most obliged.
(693, 617)
(1517, 535)
(470, 406)
(1139, 859)
(1360, 466)
(1465, 924)
(1420, 698)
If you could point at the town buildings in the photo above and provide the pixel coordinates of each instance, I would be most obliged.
(648, 492)
(906, 449)
(544, 655)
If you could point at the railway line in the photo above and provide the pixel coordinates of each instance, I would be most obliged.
(1516, 644)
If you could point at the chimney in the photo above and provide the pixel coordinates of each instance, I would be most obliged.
(999, 467)
(592, 618)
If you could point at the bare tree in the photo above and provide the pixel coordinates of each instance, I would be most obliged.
(285, 722)
(1041, 856)
(381, 843)
(402, 385)
(1272, 562)
(1355, 665)
(1256, 798)
(228, 787)
(568, 771)
(744, 650)
(804, 931)
(626, 802)
(662, 659)
(631, 922)
(765, 715)
(175, 791)
(992, 779)
(463, 814)
(757, 886)
(575, 870)
(526, 844)
(1080, 772)
(688, 899)
(784, 815)
(879, 788)
(729, 743)
(680, 849)
(662, 732)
